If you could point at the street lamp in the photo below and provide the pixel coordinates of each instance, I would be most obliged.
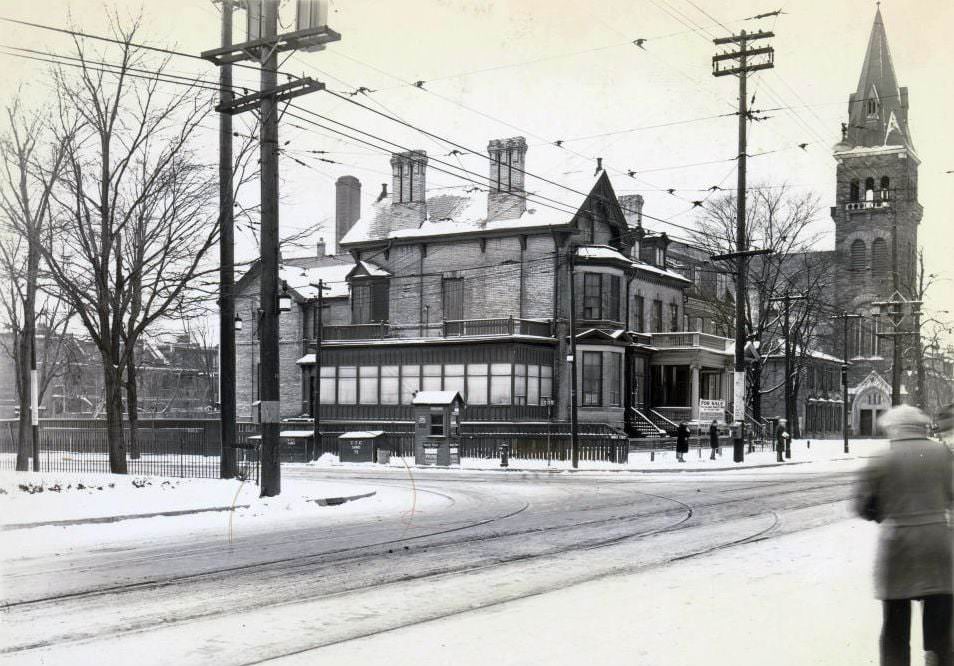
(284, 300)
(238, 322)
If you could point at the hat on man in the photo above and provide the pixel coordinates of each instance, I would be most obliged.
(904, 421)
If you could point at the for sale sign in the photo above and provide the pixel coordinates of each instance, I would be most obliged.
(712, 410)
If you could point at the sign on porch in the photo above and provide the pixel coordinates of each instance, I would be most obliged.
(712, 409)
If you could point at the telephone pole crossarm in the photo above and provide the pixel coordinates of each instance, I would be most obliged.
(286, 91)
(250, 50)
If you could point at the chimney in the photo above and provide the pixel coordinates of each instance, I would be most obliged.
(322, 250)
(507, 199)
(409, 189)
(384, 193)
(632, 206)
(347, 207)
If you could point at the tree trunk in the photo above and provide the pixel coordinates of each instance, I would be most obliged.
(24, 431)
(132, 407)
(755, 376)
(114, 416)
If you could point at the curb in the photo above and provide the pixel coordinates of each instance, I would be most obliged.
(322, 501)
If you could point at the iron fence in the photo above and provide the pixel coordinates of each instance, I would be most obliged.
(178, 447)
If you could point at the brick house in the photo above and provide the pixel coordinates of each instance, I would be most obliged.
(468, 289)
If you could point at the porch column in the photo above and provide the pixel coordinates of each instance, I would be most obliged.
(694, 392)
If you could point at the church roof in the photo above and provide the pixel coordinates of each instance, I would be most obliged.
(878, 109)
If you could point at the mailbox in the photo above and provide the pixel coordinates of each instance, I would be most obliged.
(437, 418)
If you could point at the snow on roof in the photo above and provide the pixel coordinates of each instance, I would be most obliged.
(649, 268)
(373, 270)
(434, 397)
(361, 434)
(601, 252)
(307, 359)
(453, 210)
(301, 280)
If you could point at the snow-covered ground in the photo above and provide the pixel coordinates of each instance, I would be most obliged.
(795, 600)
(803, 450)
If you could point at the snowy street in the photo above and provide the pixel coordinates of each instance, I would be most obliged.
(665, 568)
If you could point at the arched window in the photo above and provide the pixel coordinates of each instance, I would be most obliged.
(869, 189)
(854, 194)
(879, 257)
(858, 255)
(885, 185)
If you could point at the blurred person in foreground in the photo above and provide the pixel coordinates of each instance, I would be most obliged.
(910, 492)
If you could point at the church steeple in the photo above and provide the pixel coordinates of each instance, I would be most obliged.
(878, 109)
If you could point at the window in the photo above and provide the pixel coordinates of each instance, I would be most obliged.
(657, 317)
(437, 424)
(613, 379)
(432, 378)
(660, 258)
(454, 378)
(722, 285)
(639, 317)
(592, 298)
(533, 384)
(500, 383)
(854, 193)
(368, 386)
(410, 382)
(673, 317)
(612, 307)
(476, 384)
(885, 186)
(390, 379)
(326, 385)
(592, 379)
(347, 385)
(858, 255)
(453, 292)
(520, 384)
(546, 381)
(869, 189)
(369, 302)
(879, 257)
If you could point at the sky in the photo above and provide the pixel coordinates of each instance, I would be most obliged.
(561, 70)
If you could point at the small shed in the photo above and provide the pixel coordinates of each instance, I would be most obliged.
(359, 445)
(437, 417)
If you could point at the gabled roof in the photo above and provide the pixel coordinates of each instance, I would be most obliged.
(301, 281)
(367, 269)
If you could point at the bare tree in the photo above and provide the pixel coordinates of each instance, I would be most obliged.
(25, 196)
(134, 209)
(777, 219)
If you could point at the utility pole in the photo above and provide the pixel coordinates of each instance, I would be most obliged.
(264, 44)
(742, 67)
(316, 403)
(35, 401)
(844, 316)
(574, 434)
(227, 407)
(897, 309)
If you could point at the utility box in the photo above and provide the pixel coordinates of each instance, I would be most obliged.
(359, 446)
(437, 417)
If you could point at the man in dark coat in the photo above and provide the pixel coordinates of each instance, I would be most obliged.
(682, 442)
(713, 439)
(781, 439)
(910, 492)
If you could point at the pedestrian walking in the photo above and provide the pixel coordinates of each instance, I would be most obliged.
(682, 441)
(781, 439)
(713, 439)
(910, 492)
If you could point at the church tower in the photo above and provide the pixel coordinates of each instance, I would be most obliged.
(877, 211)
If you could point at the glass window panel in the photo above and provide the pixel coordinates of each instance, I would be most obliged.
(533, 384)
(613, 379)
(347, 385)
(592, 378)
(520, 384)
(389, 385)
(368, 386)
(432, 378)
(546, 381)
(326, 385)
(454, 378)
(500, 384)
(476, 384)
(410, 382)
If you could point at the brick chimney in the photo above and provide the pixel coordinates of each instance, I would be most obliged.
(347, 206)
(322, 250)
(632, 206)
(409, 189)
(507, 198)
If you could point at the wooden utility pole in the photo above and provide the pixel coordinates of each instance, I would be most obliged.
(742, 67)
(264, 45)
(574, 428)
(315, 401)
(227, 408)
(844, 316)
